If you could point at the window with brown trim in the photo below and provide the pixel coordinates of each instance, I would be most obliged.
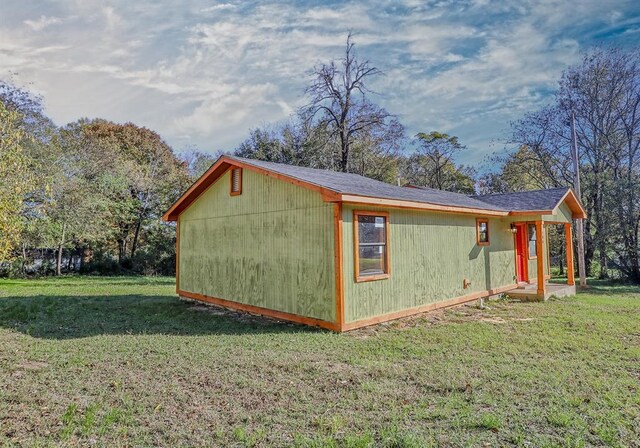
(482, 232)
(371, 238)
(236, 181)
(533, 240)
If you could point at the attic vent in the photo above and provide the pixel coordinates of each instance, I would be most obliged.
(236, 181)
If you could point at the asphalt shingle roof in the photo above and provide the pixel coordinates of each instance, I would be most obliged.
(526, 200)
(347, 183)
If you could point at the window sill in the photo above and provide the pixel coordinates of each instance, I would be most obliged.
(370, 278)
(483, 244)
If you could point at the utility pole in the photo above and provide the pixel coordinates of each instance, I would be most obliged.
(576, 187)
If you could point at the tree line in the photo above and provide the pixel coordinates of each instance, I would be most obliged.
(88, 196)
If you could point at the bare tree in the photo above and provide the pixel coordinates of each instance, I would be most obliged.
(603, 92)
(338, 93)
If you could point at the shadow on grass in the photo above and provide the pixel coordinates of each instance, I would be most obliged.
(610, 286)
(88, 281)
(70, 317)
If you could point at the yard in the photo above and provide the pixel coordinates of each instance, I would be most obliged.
(122, 362)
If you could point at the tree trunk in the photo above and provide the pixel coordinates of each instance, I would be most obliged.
(604, 272)
(122, 249)
(136, 234)
(70, 261)
(344, 156)
(60, 247)
(86, 257)
(24, 260)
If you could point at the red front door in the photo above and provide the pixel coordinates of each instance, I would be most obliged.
(521, 254)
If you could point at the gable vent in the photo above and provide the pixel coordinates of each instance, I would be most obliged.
(236, 181)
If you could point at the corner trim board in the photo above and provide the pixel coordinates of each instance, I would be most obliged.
(177, 256)
(337, 229)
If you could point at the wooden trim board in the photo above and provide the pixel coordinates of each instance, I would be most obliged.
(177, 256)
(425, 308)
(356, 247)
(337, 236)
(540, 260)
(231, 171)
(568, 237)
(478, 222)
(333, 326)
(281, 315)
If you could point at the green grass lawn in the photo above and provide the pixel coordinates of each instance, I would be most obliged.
(123, 362)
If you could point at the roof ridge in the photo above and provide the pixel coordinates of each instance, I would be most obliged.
(398, 188)
(520, 192)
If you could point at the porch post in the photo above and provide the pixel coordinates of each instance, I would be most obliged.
(540, 259)
(568, 240)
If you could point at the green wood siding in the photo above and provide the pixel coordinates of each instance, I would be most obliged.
(430, 255)
(272, 246)
(563, 214)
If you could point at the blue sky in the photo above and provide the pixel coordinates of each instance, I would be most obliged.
(204, 73)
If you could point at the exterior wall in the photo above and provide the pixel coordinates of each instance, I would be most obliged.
(270, 247)
(563, 214)
(430, 255)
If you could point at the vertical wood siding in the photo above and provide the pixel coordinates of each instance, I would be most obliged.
(272, 246)
(563, 214)
(431, 254)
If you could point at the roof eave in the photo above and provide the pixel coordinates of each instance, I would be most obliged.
(415, 205)
(577, 210)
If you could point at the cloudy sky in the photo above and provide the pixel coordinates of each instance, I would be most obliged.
(203, 73)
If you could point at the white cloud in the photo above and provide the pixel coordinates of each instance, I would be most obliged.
(42, 22)
(218, 7)
(212, 71)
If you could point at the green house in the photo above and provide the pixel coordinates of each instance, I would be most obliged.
(342, 251)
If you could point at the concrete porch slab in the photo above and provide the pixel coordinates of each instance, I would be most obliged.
(530, 292)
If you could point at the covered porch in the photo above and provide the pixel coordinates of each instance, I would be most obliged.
(533, 271)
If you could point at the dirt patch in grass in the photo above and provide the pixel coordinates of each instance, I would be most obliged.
(32, 365)
(460, 314)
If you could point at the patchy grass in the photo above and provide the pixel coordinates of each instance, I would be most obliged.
(122, 362)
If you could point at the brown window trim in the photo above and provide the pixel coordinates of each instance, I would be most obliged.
(482, 243)
(231, 192)
(535, 254)
(356, 247)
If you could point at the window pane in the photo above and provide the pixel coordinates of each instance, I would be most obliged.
(371, 229)
(372, 260)
(532, 240)
(483, 232)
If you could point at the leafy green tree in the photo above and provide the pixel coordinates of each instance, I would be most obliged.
(16, 180)
(432, 165)
(138, 174)
(198, 162)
